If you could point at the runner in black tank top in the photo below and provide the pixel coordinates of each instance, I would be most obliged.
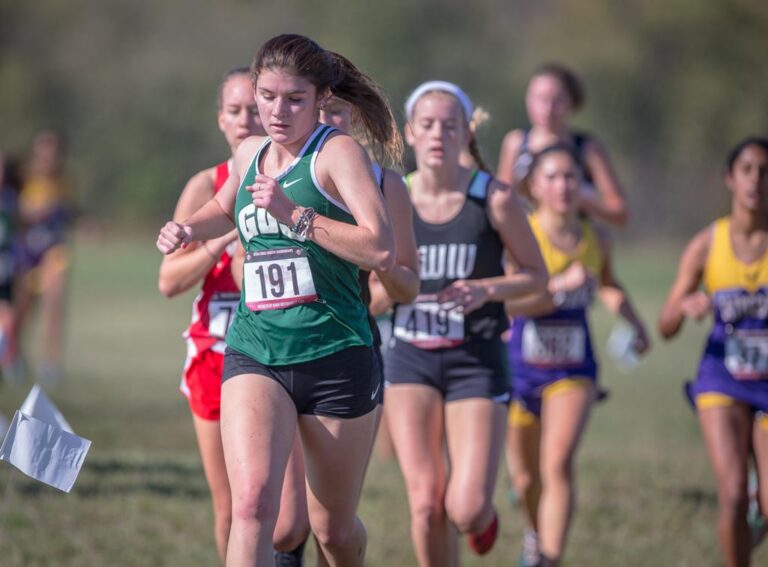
(553, 93)
(447, 358)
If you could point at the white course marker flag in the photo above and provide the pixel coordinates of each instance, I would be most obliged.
(38, 405)
(41, 443)
(44, 452)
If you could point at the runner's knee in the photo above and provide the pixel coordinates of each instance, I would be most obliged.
(255, 503)
(332, 533)
(427, 506)
(467, 510)
(733, 498)
(289, 537)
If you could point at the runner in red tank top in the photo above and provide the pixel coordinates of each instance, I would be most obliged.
(210, 263)
(213, 309)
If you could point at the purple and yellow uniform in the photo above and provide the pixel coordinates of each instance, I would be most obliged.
(553, 353)
(734, 367)
(44, 207)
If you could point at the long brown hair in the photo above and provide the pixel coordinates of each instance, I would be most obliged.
(334, 73)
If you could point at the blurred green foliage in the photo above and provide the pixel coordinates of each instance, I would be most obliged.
(671, 85)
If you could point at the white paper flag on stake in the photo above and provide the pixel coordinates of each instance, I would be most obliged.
(44, 452)
(39, 406)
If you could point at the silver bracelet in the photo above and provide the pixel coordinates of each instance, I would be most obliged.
(301, 227)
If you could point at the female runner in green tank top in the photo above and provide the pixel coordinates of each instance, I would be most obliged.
(309, 213)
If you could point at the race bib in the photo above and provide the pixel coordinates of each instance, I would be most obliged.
(429, 324)
(746, 354)
(221, 311)
(277, 279)
(554, 343)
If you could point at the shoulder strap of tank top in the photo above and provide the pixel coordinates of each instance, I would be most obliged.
(591, 241)
(524, 149)
(580, 140)
(579, 143)
(317, 139)
(719, 245)
(222, 174)
(407, 181)
(378, 175)
(478, 186)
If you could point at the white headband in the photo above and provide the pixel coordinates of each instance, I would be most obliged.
(443, 87)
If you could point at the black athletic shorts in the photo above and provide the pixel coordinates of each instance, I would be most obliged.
(6, 292)
(380, 365)
(475, 369)
(345, 384)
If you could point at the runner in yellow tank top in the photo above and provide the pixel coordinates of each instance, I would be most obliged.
(730, 259)
(553, 367)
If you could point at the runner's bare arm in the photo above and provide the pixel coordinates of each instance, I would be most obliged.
(609, 203)
(684, 299)
(506, 214)
(214, 219)
(402, 281)
(238, 258)
(531, 305)
(616, 299)
(381, 302)
(510, 150)
(346, 168)
(184, 268)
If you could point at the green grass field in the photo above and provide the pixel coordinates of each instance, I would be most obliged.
(646, 494)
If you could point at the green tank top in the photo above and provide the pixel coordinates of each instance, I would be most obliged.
(299, 301)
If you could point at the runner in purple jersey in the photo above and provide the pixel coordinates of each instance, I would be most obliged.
(730, 258)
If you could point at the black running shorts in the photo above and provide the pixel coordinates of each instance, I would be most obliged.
(475, 369)
(345, 384)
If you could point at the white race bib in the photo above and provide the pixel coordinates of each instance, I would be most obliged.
(746, 354)
(429, 324)
(277, 279)
(221, 312)
(554, 343)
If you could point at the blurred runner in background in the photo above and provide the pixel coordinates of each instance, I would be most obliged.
(554, 93)
(730, 392)
(46, 213)
(553, 365)
(9, 226)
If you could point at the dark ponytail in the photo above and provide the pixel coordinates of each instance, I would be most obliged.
(335, 74)
(474, 151)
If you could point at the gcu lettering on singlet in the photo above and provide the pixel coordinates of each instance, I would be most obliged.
(255, 222)
(734, 305)
(452, 261)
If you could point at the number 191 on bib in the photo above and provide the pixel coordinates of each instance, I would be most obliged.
(277, 279)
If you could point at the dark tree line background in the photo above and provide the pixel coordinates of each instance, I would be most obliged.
(671, 84)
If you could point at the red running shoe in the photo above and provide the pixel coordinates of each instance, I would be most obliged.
(483, 542)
